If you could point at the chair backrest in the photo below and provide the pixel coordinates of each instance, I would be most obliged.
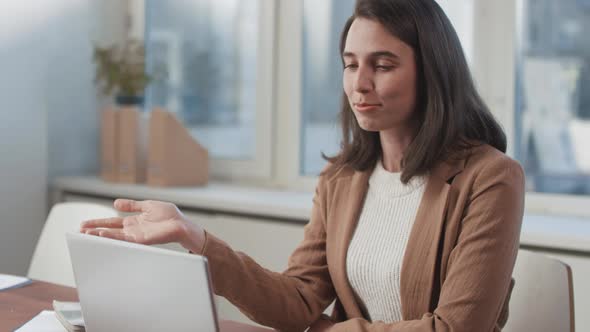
(51, 259)
(543, 296)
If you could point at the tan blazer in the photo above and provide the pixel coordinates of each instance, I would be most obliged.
(456, 272)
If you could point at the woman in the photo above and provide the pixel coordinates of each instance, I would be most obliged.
(415, 223)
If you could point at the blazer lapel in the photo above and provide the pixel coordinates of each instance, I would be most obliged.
(351, 192)
(420, 258)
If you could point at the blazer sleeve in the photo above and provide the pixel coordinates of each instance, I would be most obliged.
(287, 301)
(480, 266)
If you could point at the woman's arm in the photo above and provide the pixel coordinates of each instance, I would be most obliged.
(288, 301)
(323, 324)
(480, 264)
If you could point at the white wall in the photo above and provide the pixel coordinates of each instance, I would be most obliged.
(48, 108)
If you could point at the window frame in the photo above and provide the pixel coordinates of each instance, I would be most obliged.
(279, 119)
(259, 167)
(289, 108)
(496, 52)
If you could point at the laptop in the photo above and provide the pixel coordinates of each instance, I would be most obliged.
(126, 286)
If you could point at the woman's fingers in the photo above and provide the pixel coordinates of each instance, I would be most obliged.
(129, 205)
(116, 222)
(117, 234)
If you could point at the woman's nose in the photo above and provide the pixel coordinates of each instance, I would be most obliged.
(363, 82)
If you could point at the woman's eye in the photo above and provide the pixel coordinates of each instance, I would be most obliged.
(384, 67)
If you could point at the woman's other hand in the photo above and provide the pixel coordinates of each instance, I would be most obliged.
(323, 324)
(156, 223)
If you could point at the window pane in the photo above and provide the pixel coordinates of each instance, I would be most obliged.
(460, 13)
(322, 72)
(203, 55)
(322, 80)
(553, 96)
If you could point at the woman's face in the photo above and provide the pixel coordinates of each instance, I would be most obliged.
(379, 77)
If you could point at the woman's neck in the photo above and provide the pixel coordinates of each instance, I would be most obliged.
(393, 145)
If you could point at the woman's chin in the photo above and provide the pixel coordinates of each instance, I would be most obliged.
(369, 127)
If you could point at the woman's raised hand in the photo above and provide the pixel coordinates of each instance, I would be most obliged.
(156, 223)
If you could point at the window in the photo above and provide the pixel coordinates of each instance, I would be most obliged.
(267, 106)
(552, 114)
(211, 59)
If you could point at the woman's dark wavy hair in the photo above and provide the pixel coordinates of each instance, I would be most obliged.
(451, 113)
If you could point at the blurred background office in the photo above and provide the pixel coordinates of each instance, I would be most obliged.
(258, 84)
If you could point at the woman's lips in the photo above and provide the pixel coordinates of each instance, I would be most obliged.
(364, 107)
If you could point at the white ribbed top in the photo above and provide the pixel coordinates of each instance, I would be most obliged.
(376, 252)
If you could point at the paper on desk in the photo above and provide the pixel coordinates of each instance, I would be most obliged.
(45, 321)
(8, 281)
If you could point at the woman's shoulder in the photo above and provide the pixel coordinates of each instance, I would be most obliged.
(477, 160)
(332, 172)
(485, 160)
(485, 156)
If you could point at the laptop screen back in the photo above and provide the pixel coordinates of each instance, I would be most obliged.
(130, 287)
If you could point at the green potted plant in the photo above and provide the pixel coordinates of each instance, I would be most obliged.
(120, 71)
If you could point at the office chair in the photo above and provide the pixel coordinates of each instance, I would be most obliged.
(543, 296)
(51, 259)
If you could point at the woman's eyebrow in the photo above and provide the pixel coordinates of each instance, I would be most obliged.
(386, 54)
(376, 54)
(348, 55)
